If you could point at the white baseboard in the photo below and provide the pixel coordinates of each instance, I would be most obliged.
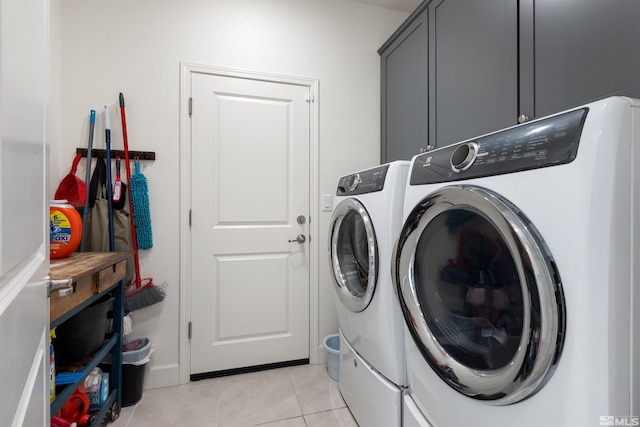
(161, 376)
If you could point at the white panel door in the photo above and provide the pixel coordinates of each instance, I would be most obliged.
(24, 248)
(250, 182)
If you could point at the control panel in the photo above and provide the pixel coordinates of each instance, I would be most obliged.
(367, 181)
(546, 142)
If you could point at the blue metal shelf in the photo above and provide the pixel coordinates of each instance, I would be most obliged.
(113, 347)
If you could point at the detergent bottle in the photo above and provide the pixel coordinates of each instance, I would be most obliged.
(65, 229)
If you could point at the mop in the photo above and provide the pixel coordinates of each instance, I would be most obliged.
(140, 201)
(144, 292)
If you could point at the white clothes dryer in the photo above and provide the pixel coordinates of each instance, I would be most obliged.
(363, 230)
(516, 272)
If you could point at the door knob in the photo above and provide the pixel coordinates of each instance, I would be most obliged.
(63, 286)
(300, 239)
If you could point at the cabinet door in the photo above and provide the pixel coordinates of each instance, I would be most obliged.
(584, 50)
(473, 68)
(404, 105)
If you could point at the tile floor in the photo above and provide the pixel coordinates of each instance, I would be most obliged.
(297, 396)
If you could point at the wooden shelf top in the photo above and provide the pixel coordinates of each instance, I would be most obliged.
(82, 264)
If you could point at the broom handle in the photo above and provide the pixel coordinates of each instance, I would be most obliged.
(85, 212)
(134, 238)
(107, 131)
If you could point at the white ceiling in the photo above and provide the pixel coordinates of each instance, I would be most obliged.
(401, 5)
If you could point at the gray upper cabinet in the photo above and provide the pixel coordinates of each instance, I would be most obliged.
(473, 68)
(578, 51)
(457, 69)
(404, 89)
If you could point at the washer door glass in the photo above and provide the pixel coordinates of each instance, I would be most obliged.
(354, 254)
(480, 294)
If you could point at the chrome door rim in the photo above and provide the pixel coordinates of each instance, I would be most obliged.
(352, 302)
(541, 340)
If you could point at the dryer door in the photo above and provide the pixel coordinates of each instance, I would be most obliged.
(480, 294)
(354, 254)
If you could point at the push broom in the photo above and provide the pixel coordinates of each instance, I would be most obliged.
(143, 292)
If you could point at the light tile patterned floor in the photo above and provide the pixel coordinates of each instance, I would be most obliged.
(297, 396)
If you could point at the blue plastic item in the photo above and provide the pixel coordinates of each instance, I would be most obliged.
(64, 378)
(332, 346)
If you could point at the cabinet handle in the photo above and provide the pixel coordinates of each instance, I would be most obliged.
(425, 149)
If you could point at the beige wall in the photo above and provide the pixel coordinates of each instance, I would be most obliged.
(135, 47)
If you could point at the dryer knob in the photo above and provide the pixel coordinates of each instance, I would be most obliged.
(463, 156)
(354, 181)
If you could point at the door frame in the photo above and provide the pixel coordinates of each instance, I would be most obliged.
(186, 70)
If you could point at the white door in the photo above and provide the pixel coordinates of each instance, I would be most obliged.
(250, 184)
(24, 248)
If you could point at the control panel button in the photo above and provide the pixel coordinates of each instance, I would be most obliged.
(463, 156)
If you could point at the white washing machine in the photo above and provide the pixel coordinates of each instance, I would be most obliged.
(516, 274)
(363, 230)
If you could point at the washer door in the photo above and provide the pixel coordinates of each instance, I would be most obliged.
(354, 254)
(480, 294)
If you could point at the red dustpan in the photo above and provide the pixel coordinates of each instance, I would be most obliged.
(71, 188)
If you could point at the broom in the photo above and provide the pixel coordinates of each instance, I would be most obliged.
(144, 292)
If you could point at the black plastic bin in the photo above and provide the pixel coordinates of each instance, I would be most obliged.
(83, 334)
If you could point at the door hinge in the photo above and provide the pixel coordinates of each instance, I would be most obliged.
(189, 217)
(190, 329)
(190, 106)
(309, 97)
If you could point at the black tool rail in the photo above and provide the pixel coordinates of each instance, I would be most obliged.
(97, 152)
